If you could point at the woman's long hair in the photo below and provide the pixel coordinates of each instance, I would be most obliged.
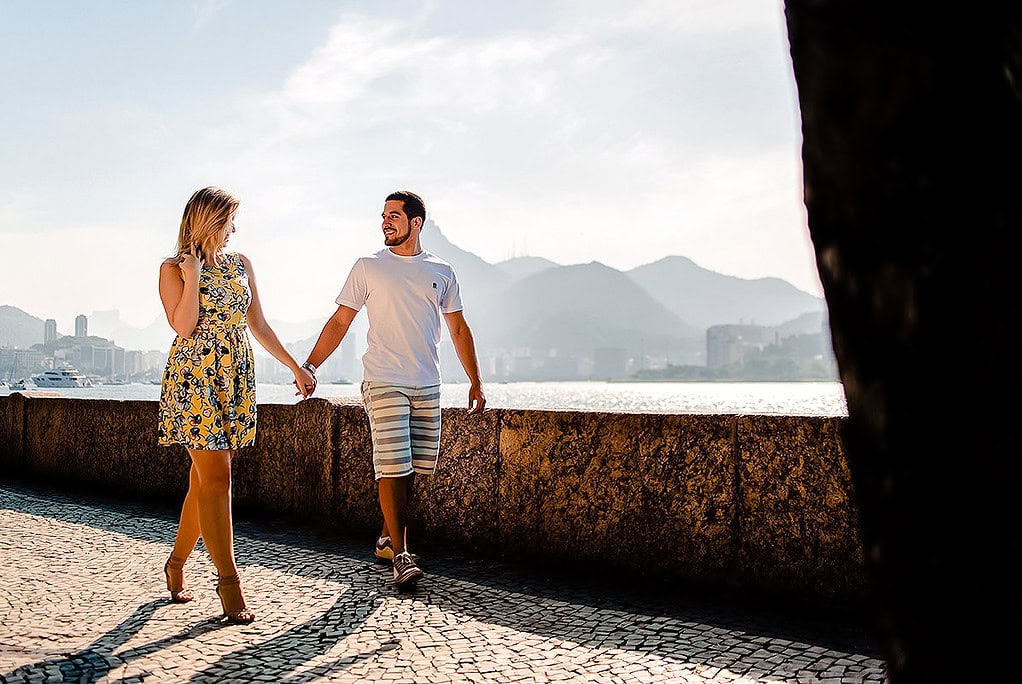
(203, 222)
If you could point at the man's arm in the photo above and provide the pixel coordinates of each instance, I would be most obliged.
(465, 346)
(333, 332)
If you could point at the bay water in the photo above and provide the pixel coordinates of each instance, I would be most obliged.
(741, 398)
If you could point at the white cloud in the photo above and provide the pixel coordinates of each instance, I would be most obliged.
(555, 140)
(614, 132)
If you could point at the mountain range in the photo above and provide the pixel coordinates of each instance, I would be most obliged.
(531, 303)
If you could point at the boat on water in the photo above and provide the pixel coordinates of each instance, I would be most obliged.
(61, 377)
(18, 385)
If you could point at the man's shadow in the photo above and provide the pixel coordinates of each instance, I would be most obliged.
(317, 636)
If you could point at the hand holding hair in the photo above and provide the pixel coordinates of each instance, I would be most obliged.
(190, 262)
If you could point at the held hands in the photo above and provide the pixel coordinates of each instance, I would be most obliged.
(190, 262)
(305, 382)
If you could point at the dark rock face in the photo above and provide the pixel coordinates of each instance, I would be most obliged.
(912, 141)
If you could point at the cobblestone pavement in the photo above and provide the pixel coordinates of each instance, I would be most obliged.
(82, 599)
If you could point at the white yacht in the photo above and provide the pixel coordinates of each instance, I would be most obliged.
(61, 377)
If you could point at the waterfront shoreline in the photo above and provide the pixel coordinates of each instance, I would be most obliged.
(804, 398)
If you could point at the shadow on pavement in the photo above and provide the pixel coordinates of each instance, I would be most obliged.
(303, 643)
(97, 660)
(492, 593)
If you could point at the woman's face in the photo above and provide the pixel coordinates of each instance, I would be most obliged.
(228, 229)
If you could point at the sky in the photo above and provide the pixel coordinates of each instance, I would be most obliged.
(573, 130)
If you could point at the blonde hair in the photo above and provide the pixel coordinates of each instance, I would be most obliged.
(202, 224)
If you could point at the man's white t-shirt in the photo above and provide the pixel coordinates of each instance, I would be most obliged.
(404, 298)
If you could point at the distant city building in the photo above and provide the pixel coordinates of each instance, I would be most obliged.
(493, 366)
(81, 326)
(145, 365)
(16, 364)
(610, 363)
(348, 361)
(107, 360)
(520, 366)
(728, 344)
(270, 370)
(560, 367)
(49, 331)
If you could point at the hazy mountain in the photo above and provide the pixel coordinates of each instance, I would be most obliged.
(480, 279)
(156, 335)
(704, 298)
(159, 334)
(662, 308)
(19, 329)
(292, 331)
(522, 267)
(806, 324)
(578, 309)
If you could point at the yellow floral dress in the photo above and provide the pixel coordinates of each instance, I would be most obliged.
(208, 398)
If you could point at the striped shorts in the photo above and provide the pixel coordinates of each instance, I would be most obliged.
(405, 424)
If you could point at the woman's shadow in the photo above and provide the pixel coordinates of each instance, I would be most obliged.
(309, 639)
(97, 660)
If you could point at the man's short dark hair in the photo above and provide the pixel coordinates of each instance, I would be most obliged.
(413, 204)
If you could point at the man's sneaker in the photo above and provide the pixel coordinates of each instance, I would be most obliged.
(385, 550)
(406, 572)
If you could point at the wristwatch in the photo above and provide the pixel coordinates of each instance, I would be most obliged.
(309, 367)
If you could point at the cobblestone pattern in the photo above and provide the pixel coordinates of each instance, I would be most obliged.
(82, 599)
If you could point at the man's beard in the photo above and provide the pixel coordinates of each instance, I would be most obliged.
(398, 239)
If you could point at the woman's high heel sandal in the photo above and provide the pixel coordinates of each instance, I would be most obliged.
(229, 590)
(173, 569)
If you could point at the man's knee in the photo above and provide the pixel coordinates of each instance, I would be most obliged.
(394, 487)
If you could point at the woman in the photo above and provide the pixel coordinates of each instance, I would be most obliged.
(207, 402)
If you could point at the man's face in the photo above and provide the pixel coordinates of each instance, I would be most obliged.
(396, 227)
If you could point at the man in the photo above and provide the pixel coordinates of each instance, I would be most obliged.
(405, 290)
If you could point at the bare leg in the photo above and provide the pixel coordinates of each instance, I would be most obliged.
(385, 532)
(188, 526)
(213, 504)
(394, 493)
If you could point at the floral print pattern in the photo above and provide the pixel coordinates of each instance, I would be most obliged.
(208, 398)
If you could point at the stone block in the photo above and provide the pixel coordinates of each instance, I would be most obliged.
(458, 502)
(758, 502)
(798, 525)
(102, 443)
(654, 493)
(356, 504)
(290, 468)
(12, 426)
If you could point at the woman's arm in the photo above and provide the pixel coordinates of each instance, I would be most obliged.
(261, 330)
(179, 292)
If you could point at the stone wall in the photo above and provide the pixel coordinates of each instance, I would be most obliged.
(753, 502)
